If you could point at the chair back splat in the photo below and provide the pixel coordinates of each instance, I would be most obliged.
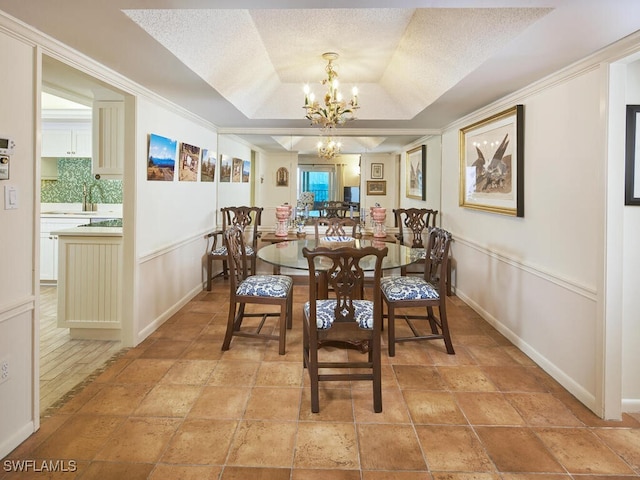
(348, 320)
(428, 291)
(248, 218)
(255, 289)
(335, 227)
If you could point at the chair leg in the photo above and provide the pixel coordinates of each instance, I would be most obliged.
(445, 330)
(225, 270)
(377, 376)
(283, 328)
(313, 376)
(230, 327)
(209, 273)
(290, 311)
(391, 330)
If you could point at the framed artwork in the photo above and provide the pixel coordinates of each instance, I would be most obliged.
(377, 170)
(161, 162)
(492, 163)
(225, 168)
(376, 187)
(282, 177)
(416, 173)
(236, 170)
(189, 163)
(246, 171)
(632, 153)
(208, 166)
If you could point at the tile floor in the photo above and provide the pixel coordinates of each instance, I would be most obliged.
(176, 407)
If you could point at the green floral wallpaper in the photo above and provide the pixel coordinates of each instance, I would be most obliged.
(72, 174)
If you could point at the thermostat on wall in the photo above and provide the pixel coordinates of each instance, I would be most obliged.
(6, 145)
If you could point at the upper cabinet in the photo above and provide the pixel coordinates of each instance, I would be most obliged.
(66, 139)
(108, 138)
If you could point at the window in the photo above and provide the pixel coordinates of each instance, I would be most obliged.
(318, 180)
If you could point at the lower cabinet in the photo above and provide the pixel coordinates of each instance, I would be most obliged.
(49, 245)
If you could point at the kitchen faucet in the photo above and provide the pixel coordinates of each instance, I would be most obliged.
(85, 205)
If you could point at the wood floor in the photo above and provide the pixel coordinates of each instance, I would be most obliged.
(65, 363)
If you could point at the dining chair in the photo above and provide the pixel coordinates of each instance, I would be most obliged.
(428, 291)
(254, 289)
(249, 219)
(333, 209)
(413, 226)
(335, 227)
(347, 320)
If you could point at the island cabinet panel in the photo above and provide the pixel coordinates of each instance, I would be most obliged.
(90, 286)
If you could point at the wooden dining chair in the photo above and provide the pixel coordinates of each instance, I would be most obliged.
(345, 321)
(427, 291)
(254, 289)
(413, 226)
(335, 227)
(249, 219)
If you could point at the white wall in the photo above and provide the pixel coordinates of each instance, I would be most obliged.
(432, 177)
(631, 278)
(172, 219)
(543, 270)
(267, 194)
(18, 258)
(390, 172)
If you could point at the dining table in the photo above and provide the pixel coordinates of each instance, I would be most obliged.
(288, 254)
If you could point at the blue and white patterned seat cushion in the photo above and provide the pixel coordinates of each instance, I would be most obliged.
(325, 313)
(274, 286)
(407, 288)
(223, 250)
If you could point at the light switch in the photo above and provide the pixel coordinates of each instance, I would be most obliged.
(10, 197)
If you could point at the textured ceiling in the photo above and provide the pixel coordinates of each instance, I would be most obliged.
(401, 60)
(241, 64)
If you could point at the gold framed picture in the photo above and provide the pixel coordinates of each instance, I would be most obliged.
(416, 173)
(376, 187)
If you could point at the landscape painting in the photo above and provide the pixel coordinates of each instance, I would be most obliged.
(225, 168)
(161, 161)
(236, 173)
(208, 167)
(189, 163)
(246, 171)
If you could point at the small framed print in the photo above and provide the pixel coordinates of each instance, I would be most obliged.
(377, 170)
(376, 187)
(416, 168)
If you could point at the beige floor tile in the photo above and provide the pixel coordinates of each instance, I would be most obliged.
(116, 400)
(186, 472)
(466, 379)
(169, 401)
(144, 370)
(263, 444)
(80, 438)
(108, 470)
(326, 445)
(139, 440)
(418, 376)
(427, 407)
(542, 409)
(378, 453)
(625, 442)
(386, 475)
(271, 403)
(189, 372)
(336, 405)
(453, 449)
(231, 373)
(517, 450)
(580, 451)
(257, 473)
(514, 379)
(221, 403)
(201, 442)
(488, 408)
(394, 408)
(284, 374)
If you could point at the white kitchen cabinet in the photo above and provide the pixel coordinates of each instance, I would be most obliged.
(49, 244)
(67, 140)
(108, 135)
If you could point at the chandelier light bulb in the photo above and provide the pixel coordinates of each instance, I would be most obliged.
(332, 110)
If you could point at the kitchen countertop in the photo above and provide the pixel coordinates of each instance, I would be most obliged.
(86, 231)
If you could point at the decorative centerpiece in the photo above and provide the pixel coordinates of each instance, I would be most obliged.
(283, 212)
(336, 242)
(379, 215)
(300, 217)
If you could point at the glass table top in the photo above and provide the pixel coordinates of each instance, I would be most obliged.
(289, 254)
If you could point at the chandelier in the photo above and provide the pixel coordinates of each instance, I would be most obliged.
(328, 148)
(333, 111)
